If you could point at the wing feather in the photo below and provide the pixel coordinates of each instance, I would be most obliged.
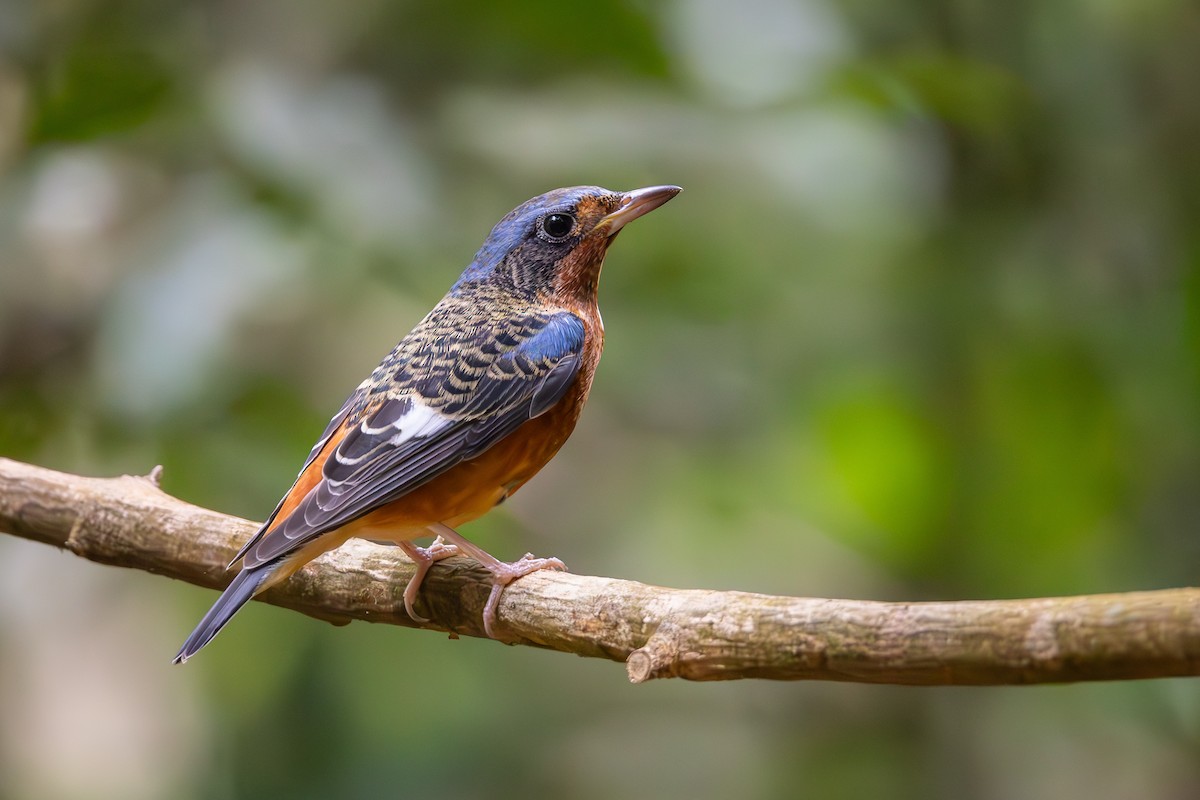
(335, 423)
(418, 433)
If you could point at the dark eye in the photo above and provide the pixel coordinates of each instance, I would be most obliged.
(558, 226)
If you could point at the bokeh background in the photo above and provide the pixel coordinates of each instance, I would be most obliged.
(925, 324)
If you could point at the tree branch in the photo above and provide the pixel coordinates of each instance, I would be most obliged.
(657, 632)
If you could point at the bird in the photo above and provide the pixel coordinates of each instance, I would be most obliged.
(473, 402)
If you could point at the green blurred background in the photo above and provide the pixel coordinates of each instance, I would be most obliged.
(925, 324)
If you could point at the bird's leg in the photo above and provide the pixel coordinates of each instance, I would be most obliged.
(424, 558)
(503, 572)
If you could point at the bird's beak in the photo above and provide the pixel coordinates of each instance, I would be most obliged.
(633, 205)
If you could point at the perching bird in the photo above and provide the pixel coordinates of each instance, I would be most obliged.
(467, 408)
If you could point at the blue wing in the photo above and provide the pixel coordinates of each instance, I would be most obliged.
(473, 399)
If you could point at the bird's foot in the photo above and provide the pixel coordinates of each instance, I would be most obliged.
(424, 558)
(504, 573)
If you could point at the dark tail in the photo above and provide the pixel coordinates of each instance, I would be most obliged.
(234, 597)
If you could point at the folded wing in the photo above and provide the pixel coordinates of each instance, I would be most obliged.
(467, 402)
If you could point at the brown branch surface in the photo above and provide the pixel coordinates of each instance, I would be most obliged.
(656, 632)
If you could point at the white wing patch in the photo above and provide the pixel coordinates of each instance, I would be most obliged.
(420, 421)
(417, 421)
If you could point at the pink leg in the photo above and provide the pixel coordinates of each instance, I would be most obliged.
(503, 573)
(424, 558)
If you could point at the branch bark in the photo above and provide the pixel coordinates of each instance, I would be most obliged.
(656, 632)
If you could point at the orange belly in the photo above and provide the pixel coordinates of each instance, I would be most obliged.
(472, 488)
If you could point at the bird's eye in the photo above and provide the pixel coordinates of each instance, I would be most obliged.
(558, 226)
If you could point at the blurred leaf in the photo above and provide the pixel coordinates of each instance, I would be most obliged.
(1048, 469)
(97, 90)
(516, 42)
(889, 463)
(27, 422)
(963, 92)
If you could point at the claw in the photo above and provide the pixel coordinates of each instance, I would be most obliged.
(424, 558)
(503, 573)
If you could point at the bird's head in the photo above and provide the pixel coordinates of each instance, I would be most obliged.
(553, 245)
